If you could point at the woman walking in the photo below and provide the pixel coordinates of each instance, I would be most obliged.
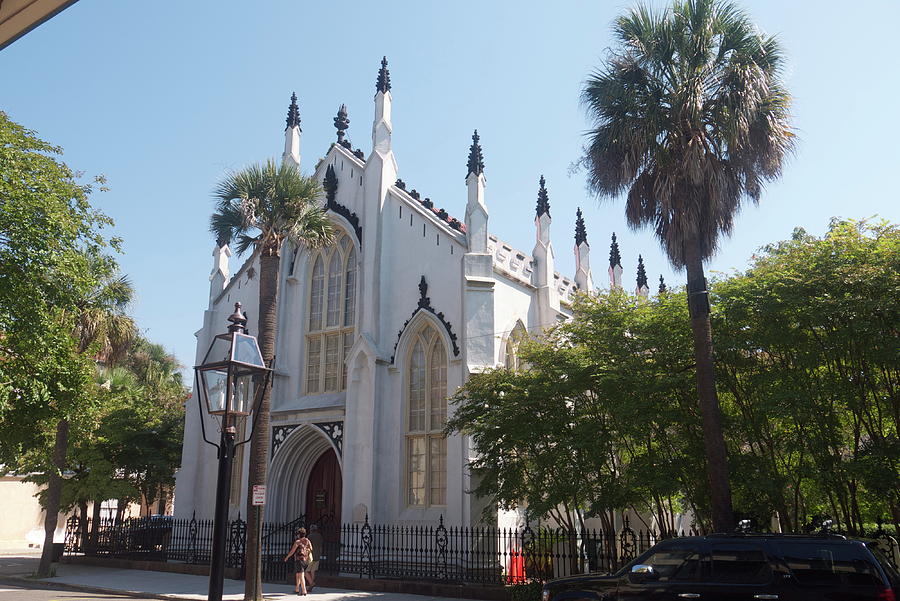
(301, 551)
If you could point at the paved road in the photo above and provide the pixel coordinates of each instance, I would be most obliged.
(17, 593)
(18, 564)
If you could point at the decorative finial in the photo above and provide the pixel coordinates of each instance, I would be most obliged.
(614, 257)
(641, 273)
(662, 285)
(476, 159)
(341, 123)
(330, 184)
(384, 78)
(238, 320)
(543, 203)
(580, 232)
(293, 116)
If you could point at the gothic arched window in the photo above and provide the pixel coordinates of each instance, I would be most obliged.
(511, 354)
(426, 447)
(332, 314)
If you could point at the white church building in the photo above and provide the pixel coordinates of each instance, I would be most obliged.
(374, 333)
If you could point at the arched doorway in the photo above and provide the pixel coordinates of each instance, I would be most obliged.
(323, 490)
(304, 462)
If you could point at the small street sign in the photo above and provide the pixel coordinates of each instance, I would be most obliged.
(259, 494)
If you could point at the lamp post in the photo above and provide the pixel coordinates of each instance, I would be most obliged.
(230, 382)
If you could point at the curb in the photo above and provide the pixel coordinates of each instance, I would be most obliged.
(44, 584)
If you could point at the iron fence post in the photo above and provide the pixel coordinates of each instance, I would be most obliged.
(366, 538)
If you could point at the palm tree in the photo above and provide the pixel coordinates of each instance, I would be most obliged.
(690, 119)
(101, 329)
(262, 207)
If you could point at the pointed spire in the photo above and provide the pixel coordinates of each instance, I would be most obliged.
(341, 123)
(476, 159)
(641, 274)
(384, 78)
(543, 203)
(580, 232)
(662, 285)
(330, 184)
(293, 116)
(614, 257)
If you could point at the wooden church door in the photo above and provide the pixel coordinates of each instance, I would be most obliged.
(323, 492)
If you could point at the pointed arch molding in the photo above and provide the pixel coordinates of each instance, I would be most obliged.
(333, 430)
(330, 185)
(425, 305)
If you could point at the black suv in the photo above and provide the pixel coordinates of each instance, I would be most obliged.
(735, 567)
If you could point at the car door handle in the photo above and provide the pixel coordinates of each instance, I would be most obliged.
(689, 595)
(765, 596)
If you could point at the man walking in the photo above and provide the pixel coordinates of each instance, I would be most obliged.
(315, 537)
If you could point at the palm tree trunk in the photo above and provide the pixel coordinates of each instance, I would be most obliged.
(54, 492)
(268, 322)
(713, 435)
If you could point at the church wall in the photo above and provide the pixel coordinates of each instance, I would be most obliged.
(196, 480)
(407, 255)
(514, 302)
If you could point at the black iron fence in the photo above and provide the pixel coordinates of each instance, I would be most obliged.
(482, 555)
(476, 555)
(156, 538)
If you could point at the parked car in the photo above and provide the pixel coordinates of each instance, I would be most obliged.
(149, 533)
(737, 567)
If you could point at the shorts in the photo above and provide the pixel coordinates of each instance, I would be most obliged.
(313, 566)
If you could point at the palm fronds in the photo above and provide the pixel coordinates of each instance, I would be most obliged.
(263, 205)
(690, 119)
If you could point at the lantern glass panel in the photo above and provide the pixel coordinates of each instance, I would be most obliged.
(247, 351)
(220, 349)
(243, 392)
(215, 383)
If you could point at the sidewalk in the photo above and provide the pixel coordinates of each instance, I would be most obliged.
(164, 585)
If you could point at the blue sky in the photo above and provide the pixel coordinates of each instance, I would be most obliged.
(164, 97)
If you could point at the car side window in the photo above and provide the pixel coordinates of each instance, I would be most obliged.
(740, 563)
(828, 563)
(677, 563)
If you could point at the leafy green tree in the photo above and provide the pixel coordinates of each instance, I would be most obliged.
(49, 244)
(645, 395)
(263, 207)
(46, 225)
(134, 448)
(808, 357)
(601, 418)
(100, 329)
(690, 119)
(525, 425)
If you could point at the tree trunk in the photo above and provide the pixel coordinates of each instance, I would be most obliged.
(54, 491)
(82, 524)
(259, 446)
(713, 435)
(95, 527)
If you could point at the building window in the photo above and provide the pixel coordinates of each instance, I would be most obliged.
(332, 315)
(511, 358)
(426, 447)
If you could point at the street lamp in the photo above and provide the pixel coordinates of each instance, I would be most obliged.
(230, 382)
